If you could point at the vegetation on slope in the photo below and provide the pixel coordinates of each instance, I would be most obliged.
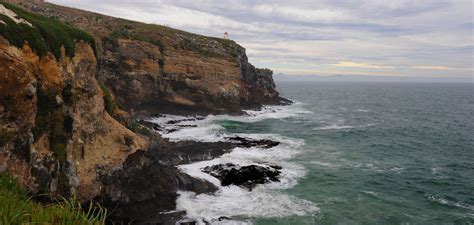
(53, 121)
(17, 208)
(46, 34)
(109, 102)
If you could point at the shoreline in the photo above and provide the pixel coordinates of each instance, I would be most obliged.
(164, 159)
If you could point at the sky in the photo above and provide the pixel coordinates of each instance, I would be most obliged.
(387, 38)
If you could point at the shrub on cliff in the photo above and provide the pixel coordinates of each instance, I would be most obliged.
(46, 34)
(17, 208)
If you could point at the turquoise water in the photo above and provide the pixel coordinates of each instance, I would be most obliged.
(379, 153)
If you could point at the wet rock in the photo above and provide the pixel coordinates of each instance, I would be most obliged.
(157, 127)
(188, 125)
(249, 143)
(150, 125)
(185, 152)
(245, 176)
(157, 115)
(143, 187)
(171, 130)
(171, 122)
(276, 167)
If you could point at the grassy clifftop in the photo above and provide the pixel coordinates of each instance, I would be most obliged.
(43, 34)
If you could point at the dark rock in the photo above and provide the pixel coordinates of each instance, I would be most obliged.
(189, 125)
(276, 167)
(157, 128)
(148, 182)
(171, 122)
(248, 143)
(157, 115)
(246, 176)
(185, 152)
(150, 125)
(222, 218)
(144, 187)
(171, 130)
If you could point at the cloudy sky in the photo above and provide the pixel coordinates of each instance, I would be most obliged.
(407, 38)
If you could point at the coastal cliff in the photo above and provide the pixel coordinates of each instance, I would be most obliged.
(55, 129)
(72, 85)
(153, 68)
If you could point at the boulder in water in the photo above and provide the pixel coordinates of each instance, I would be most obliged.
(249, 143)
(245, 176)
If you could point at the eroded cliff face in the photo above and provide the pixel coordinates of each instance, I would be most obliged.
(56, 135)
(154, 68)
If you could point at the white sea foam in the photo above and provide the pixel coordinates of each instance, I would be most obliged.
(232, 201)
(444, 201)
(325, 164)
(278, 155)
(397, 170)
(235, 202)
(276, 112)
(340, 127)
(206, 129)
(334, 127)
(371, 193)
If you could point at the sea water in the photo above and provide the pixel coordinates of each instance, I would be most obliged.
(352, 153)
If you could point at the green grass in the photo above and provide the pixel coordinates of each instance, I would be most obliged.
(108, 100)
(47, 34)
(17, 208)
(125, 32)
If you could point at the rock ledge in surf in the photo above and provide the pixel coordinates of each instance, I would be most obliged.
(249, 143)
(245, 176)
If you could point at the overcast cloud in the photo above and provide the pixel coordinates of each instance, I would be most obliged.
(422, 38)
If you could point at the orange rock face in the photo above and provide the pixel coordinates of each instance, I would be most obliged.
(95, 139)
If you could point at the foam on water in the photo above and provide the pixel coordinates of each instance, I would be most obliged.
(444, 201)
(206, 129)
(235, 202)
(339, 127)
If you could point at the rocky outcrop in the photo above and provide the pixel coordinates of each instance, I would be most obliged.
(143, 187)
(245, 176)
(253, 143)
(52, 115)
(153, 68)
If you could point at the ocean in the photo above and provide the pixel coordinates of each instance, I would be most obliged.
(351, 153)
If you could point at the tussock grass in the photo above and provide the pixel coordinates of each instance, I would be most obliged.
(17, 208)
(46, 34)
